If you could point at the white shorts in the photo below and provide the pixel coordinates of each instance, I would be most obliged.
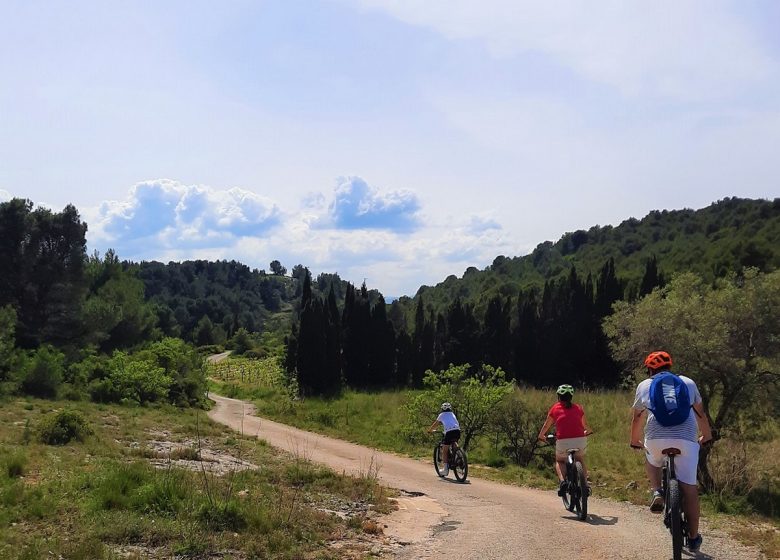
(562, 446)
(684, 464)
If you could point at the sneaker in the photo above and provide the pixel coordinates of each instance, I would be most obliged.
(562, 488)
(695, 544)
(657, 505)
(446, 470)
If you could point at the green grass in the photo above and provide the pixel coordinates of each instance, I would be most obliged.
(87, 499)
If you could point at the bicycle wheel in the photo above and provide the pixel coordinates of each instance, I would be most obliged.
(569, 497)
(460, 466)
(438, 464)
(675, 518)
(582, 484)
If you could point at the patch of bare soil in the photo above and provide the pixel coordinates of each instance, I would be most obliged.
(189, 454)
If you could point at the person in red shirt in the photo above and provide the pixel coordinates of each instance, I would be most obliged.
(571, 430)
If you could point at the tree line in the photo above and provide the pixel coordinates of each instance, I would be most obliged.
(541, 338)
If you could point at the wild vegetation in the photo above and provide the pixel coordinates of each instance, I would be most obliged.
(82, 481)
(703, 284)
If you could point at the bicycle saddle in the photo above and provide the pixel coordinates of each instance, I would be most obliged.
(671, 451)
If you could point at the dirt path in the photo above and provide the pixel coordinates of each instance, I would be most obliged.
(482, 520)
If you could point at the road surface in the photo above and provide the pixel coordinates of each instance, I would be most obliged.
(482, 520)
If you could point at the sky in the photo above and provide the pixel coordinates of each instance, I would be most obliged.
(394, 142)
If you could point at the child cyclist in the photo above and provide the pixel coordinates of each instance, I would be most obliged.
(570, 431)
(451, 431)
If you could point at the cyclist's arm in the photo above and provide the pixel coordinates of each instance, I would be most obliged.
(433, 426)
(704, 424)
(543, 432)
(636, 427)
(587, 428)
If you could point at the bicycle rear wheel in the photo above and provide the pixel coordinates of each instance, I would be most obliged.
(674, 511)
(460, 466)
(438, 464)
(569, 497)
(582, 485)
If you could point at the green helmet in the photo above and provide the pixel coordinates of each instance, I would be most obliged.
(565, 390)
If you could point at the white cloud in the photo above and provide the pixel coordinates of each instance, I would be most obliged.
(162, 214)
(5, 195)
(682, 50)
(356, 205)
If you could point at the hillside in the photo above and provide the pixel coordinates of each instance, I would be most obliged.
(723, 237)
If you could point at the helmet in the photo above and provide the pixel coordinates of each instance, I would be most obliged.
(565, 390)
(446, 406)
(657, 360)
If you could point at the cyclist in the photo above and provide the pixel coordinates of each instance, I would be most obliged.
(451, 432)
(683, 436)
(570, 431)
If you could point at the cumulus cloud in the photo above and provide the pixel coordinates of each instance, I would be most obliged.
(689, 51)
(356, 205)
(162, 215)
(358, 232)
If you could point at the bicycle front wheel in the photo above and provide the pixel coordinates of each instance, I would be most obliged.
(460, 466)
(674, 511)
(582, 484)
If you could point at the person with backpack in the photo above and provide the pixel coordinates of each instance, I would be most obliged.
(675, 415)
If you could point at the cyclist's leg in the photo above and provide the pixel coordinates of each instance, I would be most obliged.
(690, 505)
(580, 456)
(560, 467)
(685, 466)
(654, 460)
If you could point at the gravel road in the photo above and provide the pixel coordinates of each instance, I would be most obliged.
(481, 520)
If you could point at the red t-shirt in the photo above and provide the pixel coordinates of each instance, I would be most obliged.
(568, 421)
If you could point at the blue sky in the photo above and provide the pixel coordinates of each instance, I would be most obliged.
(393, 141)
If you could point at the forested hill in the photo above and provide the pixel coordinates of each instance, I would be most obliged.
(723, 237)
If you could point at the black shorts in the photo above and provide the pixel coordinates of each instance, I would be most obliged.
(451, 437)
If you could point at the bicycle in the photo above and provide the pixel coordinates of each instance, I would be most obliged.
(575, 498)
(674, 516)
(457, 459)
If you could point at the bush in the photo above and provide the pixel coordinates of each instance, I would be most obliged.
(256, 353)
(43, 373)
(14, 465)
(63, 427)
(209, 349)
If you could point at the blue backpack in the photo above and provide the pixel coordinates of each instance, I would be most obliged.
(670, 402)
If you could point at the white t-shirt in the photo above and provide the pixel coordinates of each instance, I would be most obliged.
(687, 430)
(449, 421)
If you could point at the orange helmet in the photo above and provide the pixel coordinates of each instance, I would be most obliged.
(657, 360)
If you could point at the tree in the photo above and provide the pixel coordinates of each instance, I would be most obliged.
(43, 372)
(42, 256)
(277, 268)
(7, 340)
(204, 333)
(725, 337)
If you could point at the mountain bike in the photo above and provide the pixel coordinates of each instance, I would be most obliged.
(457, 458)
(575, 498)
(674, 516)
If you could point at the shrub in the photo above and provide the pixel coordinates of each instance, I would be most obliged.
(14, 465)
(43, 373)
(63, 427)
